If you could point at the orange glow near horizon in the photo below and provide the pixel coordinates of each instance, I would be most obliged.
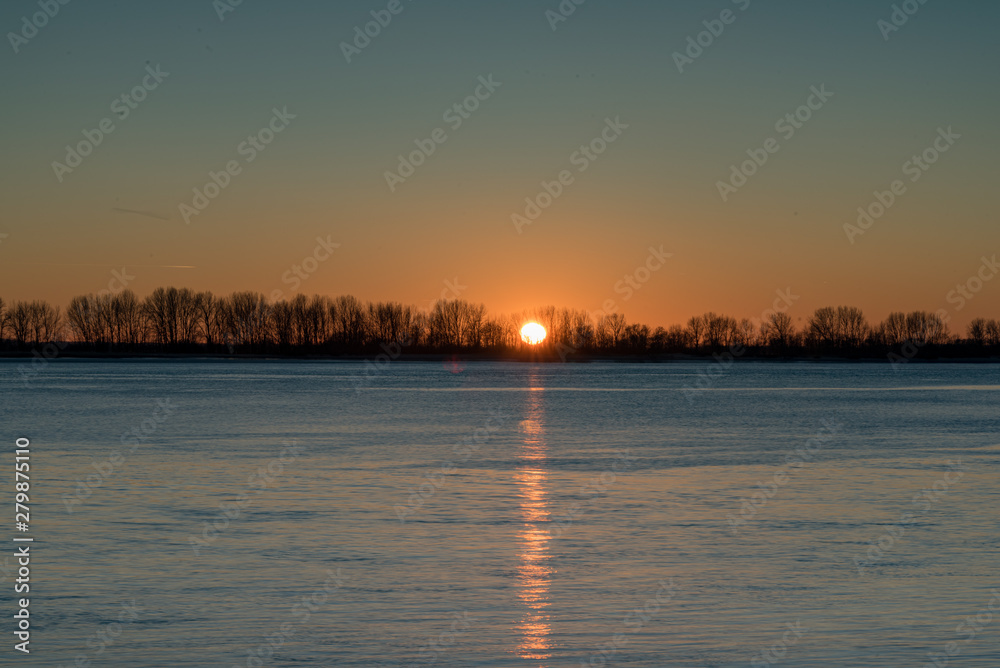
(533, 333)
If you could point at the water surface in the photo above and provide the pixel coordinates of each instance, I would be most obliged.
(495, 514)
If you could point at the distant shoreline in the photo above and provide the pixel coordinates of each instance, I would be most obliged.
(536, 358)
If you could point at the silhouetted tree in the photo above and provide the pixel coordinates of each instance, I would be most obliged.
(678, 338)
(45, 322)
(351, 323)
(695, 331)
(821, 328)
(993, 333)
(610, 329)
(718, 330)
(852, 328)
(188, 316)
(248, 319)
(282, 318)
(161, 310)
(778, 331)
(456, 323)
(979, 331)
(20, 322)
(175, 319)
(208, 322)
(926, 328)
(745, 333)
(636, 337)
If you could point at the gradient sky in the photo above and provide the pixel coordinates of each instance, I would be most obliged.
(324, 175)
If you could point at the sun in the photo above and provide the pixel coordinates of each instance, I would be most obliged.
(532, 333)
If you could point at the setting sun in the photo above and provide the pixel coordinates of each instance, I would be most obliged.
(532, 333)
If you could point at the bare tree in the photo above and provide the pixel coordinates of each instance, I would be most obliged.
(926, 328)
(45, 322)
(581, 330)
(173, 317)
(248, 319)
(80, 317)
(636, 337)
(188, 316)
(610, 330)
(993, 333)
(475, 319)
(388, 321)
(300, 332)
(207, 305)
(744, 333)
(677, 338)
(161, 309)
(979, 331)
(493, 335)
(893, 330)
(283, 323)
(852, 327)
(778, 331)
(695, 331)
(20, 322)
(351, 323)
(821, 328)
(132, 325)
(321, 325)
(447, 322)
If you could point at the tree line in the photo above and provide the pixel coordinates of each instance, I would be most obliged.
(185, 321)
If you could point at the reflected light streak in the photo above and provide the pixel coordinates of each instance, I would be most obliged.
(534, 573)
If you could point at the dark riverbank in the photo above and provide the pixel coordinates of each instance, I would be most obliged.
(483, 356)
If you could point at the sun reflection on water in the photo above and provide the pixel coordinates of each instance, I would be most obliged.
(534, 573)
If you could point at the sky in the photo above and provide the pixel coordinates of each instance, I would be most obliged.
(617, 99)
